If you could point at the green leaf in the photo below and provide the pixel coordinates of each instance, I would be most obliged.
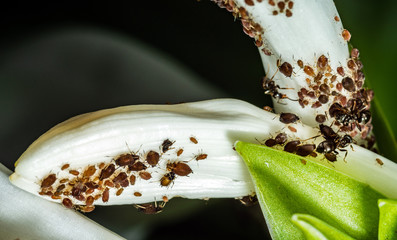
(315, 229)
(287, 183)
(387, 219)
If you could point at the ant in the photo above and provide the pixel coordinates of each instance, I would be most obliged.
(353, 112)
(271, 88)
(332, 142)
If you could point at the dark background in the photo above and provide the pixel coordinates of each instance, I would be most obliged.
(66, 58)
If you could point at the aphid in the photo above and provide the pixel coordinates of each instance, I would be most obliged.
(320, 118)
(380, 162)
(305, 150)
(292, 129)
(165, 199)
(322, 62)
(270, 142)
(340, 71)
(74, 172)
(91, 185)
(65, 166)
(291, 146)
(179, 152)
(126, 159)
(89, 201)
(145, 175)
(121, 179)
(281, 6)
(107, 172)
(101, 165)
(137, 166)
(346, 35)
(272, 3)
(152, 158)
(193, 140)
(290, 4)
(249, 200)
(137, 194)
(132, 179)
(167, 179)
(149, 208)
(288, 118)
(179, 168)
(48, 181)
(281, 138)
(249, 2)
(354, 53)
(288, 13)
(67, 203)
(119, 192)
(201, 156)
(105, 195)
(323, 99)
(89, 171)
(286, 69)
(330, 157)
(336, 18)
(86, 209)
(109, 183)
(165, 146)
(309, 71)
(317, 104)
(300, 63)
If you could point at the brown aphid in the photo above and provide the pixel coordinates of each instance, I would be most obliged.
(152, 158)
(89, 171)
(290, 4)
(101, 165)
(270, 142)
(193, 140)
(167, 179)
(60, 188)
(107, 172)
(86, 209)
(165, 199)
(309, 71)
(89, 191)
(348, 84)
(121, 179)
(201, 156)
(119, 192)
(249, 2)
(336, 18)
(149, 208)
(323, 99)
(300, 63)
(109, 183)
(322, 62)
(105, 195)
(179, 168)
(351, 65)
(48, 181)
(67, 203)
(330, 157)
(303, 161)
(74, 172)
(305, 149)
(274, 12)
(56, 197)
(65, 180)
(145, 175)
(272, 3)
(339, 87)
(165, 146)
(92, 185)
(380, 162)
(354, 53)
(340, 71)
(346, 35)
(132, 179)
(281, 138)
(179, 152)
(65, 166)
(78, 189)
(126, 159)
(324, 88)
(90, 200)
(288, 118)
(320, 118)
(292, 129)
(249, 200)
(268, 109)
(286, 69)
(137, 194)
(137, 166)
(281, 6)
(291, 146)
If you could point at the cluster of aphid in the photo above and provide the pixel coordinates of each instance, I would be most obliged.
(283, 6)
(250, 27)
(80, 189)
(332, 141)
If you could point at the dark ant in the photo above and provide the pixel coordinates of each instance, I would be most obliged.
(332, 142)
(353, 112)
(271, 88)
